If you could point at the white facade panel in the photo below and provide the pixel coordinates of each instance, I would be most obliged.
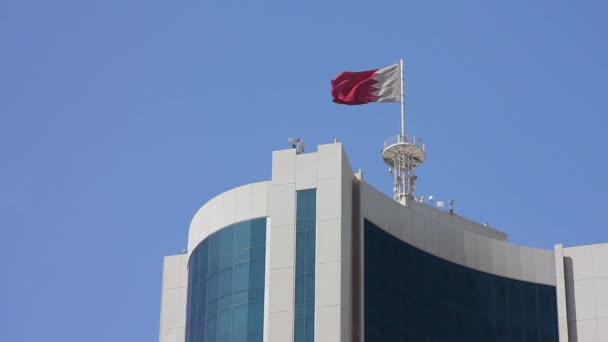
(514, 262)
(562, 329)
(169, 309)
(416, 224)
(180, 335)
(281, 290)
(283, 249)
(329, 204)
(528, 265)
(242, 204)
(484, 258)
(169, 335)
(306, 171)
(601, 297)
(431, 239)
(471, 250)
(329, 159)
(327, 320)
(582, 299)
(171, 270)
(284, 167)
(602, 330)
(582, 263)
(327, 284)
(280, 326)
(227, 206)
(215, 215)
(499, 257)
(329, 235)
(583, 331)
(443, 240)
(600, 260)
(260, 199)
(457, 246)
(182, 303)
(544, 260)
(283, 201)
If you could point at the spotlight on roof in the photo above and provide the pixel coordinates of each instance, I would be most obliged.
(297, 143)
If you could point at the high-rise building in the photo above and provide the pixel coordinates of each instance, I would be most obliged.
(317, 254)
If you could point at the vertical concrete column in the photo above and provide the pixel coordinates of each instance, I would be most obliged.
(281, 249)
(174, 298)
(560, 286)
(333, 281)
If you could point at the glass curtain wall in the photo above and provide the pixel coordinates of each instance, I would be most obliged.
(411, 295)
(226, 285)
(305, 265)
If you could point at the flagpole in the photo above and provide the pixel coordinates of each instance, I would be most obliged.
(402, 100)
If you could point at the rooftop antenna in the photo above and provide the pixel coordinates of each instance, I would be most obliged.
(402, 154)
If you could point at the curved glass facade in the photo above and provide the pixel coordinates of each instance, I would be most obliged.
(411, 295)
(226, 285)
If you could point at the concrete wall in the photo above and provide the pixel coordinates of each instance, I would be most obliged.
(585, 279)
(329, 172)
(173, 298)
(457, 239)
(239, 204)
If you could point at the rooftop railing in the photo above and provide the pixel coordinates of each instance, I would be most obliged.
(401, 139)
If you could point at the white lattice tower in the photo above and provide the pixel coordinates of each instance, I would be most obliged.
(403, 155)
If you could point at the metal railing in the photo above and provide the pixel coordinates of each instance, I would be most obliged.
(401, 139)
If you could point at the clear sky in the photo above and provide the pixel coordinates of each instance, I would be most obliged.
(120, 118)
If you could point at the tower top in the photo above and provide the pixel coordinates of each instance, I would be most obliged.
(402, 154)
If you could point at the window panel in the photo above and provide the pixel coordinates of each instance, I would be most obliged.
(305, 270)
(312, 204)
(226, 246)
(255, 317)
(242, 235)
(225, 285)
(300, 330)
(214, 253)
(258, 233)
(300, 204)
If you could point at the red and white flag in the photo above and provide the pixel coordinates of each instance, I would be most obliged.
(380, 85)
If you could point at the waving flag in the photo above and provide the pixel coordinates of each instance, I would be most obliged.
(380, 85)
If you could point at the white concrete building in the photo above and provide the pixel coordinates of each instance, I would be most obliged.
(317, 254)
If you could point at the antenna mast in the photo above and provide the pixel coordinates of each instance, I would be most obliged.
(402, 154)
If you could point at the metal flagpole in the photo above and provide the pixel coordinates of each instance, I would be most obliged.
(402, 100)
(402, 156)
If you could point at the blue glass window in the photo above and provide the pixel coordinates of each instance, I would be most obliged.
(306, 215)
(226, 285)
(411, 295)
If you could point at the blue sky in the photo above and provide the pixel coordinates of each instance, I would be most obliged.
(119, 119)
